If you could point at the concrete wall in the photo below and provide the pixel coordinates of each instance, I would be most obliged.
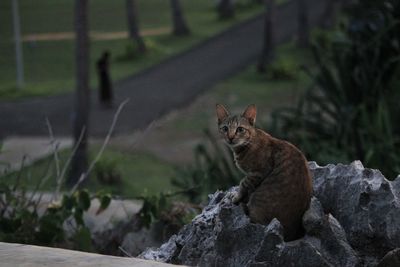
(34, 256)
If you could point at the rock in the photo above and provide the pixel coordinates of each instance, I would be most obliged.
(223, 235)
(324, 244)
(130, 237)
(353, 220)
(169, 223)
(135, 243)
(364, 202)
(391, 259)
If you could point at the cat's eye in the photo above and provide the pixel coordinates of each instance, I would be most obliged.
(240, 130)
(224, 129)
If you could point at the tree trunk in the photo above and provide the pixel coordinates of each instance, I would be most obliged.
(131, 14)
(328, 19)
(179, 24)
(268, 49)
(19, 61)
(81, 114)
(303, 33)
(226, 9)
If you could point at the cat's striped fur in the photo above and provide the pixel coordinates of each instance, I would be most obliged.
(277, 182)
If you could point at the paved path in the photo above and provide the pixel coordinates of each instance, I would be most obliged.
(160, 89)
(16, 151)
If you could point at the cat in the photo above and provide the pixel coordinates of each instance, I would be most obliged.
(277, 182)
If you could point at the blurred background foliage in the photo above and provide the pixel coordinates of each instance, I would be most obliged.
(352, 111)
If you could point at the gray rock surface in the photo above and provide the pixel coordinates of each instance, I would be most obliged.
(391, 259)
(364, 202)
(353, 220)
(223, 235)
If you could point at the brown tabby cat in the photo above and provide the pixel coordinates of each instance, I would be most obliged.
(277, 182)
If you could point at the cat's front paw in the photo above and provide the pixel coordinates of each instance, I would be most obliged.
(236, 198)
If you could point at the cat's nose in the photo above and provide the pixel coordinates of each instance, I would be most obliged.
(230, 139)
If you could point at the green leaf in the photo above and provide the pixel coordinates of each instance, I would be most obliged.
(83, 240)
(84, 199)
(78, 215)
(68, 202)
(105, 201)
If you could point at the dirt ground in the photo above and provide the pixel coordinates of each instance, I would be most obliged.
(99, 36)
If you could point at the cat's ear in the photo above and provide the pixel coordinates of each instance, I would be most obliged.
(222, 113)
(250, 114)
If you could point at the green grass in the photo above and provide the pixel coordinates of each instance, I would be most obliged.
(140, 172)
(251, 87)
(49, 65)
(185, 123)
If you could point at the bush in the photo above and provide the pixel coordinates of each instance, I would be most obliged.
(352, 111)
(211, 171)
(131, 52)
(107, 172)
(21, 220)
(282, 69)
(163, 207)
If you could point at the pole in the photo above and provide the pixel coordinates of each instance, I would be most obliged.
(18, 46)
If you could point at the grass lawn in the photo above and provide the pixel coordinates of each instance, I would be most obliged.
(140, 172)
(49, 65)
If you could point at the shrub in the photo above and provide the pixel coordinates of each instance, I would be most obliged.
(165, 211)
(351, 112)
(21, 220)
(131, 52)
(212, 170)
(107, 172)
(282, 69)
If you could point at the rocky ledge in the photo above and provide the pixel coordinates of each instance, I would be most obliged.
(353, 220)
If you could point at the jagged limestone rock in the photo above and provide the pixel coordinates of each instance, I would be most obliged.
(364, 202)
(391, 259)
(353, 220)
(223, 235)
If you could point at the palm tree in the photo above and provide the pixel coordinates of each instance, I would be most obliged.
(81, 114)
(303, 32)
(267, 53)
(131, 14)
(179, 24)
